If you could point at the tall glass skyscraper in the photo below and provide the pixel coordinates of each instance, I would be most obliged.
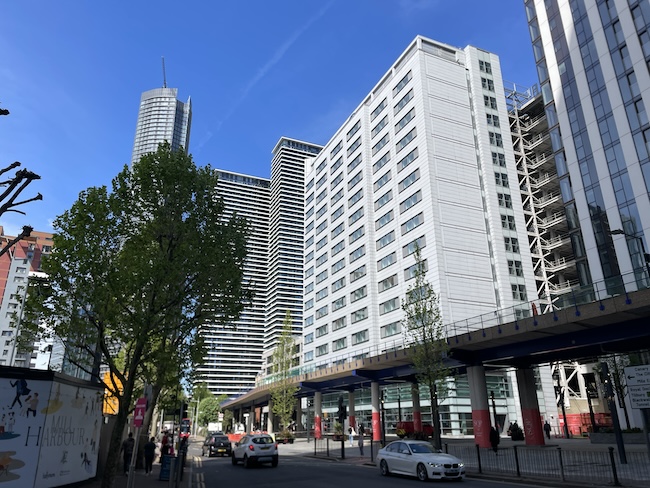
(162, 117)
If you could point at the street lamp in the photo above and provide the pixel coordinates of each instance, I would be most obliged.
(383, 420)
(646, 256)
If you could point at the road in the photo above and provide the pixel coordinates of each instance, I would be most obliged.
(299, 471)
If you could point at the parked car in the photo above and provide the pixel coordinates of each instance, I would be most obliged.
(216, 445)
(255, 448)
(420, 459)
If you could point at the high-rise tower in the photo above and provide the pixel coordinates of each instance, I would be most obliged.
(162, 117)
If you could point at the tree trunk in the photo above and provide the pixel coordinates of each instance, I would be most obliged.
(113, 458)
(435, 416)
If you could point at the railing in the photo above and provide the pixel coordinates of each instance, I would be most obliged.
(555, 464)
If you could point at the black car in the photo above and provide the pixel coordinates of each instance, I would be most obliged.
(216, 445)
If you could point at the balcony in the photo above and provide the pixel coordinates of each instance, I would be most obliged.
(559, 264)
(536, 141)
(540, 160)
(551, 198)
(554, 242)
(551, 220)
(543, 180)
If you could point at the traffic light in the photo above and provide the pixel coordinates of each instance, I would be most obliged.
(342, 414)
(184, 411)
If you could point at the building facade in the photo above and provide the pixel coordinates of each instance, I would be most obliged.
(161, 117)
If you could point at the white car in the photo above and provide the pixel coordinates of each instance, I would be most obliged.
(255, 448)
(421, 459)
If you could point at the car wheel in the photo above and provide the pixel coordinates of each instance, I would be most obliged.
(421, 471)
(274, 462)
(383, 468)
(247, 462)
(234, 460)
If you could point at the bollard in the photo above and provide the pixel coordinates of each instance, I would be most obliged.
(315, 442)
(517, 461)
(478, 457)
(372, 452)
(327, 444)
(614, 473)
(172, 474)
(559, 453)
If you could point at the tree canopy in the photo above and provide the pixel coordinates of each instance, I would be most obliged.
(136, 271)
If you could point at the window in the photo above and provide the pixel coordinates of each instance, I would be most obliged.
(411, 271)
(338, 247)
(309, 185)
(408, 159)
(338, 266)
(402, 83)
(354, 146)
(359, 315)
(321, 243)
(320, 277)
(384, 199)
(360, 337)
(321, 350)
(309, 271)
(338, 304)
(493, 120)
(403, 142)
(388, 306)
(380, 144)
(339, 344)
(487, 84)
(337, 196)
(501, 179)
(321, 181)
(496, 139)
(310, 227)
(338, 229)
(355, 128)
(338, 284)
(357, 234)
(309, 304)
(321, 331)
(383, 220)
(355, 216)
(357, 253)
(505, 200)
(309, 212)
(490, 102)
(499, 159)
(405, 120)
(514, 268)
(386, 261)
(485, 66)
(355, 179)
(519, 292)
(337, 213)
(387, 284)
(409, 180)
(336, 150)
(385, 178)
(508, 222)
(355, 198)
(321, 259)
(381, 162)
(377, 129)
(512, 244)
(336, 181)
(321, 294)
(321, 312)
(385, 240)
(410, 201)
(309, 356)
(309, 321)
(309, 338)
(321, 227)
(389, 330)
(354, 163)
(358, 294)
(336, 165)
(309, 288)
(358, 273)
(402, 103)
(338, 324)
(321, 196)
(309, 257)
(411, 246)
(412, 223)
(378, 110)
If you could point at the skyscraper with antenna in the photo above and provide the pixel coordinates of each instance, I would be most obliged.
(162, 117)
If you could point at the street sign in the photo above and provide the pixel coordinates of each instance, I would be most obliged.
(638, 385)
(138, 413)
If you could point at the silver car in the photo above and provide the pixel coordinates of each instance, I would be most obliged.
(420, 459)
(255, 448)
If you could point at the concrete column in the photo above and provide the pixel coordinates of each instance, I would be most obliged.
(376, 421)
(532, 420)
(480, 407)
(269, 418)
(318, 414)
(417, 411)
(351, 417)
(251, 419)
(299, 424)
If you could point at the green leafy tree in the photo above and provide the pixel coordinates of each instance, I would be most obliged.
(423, 325)
(209, 409)
(283, 389)
(135, 272)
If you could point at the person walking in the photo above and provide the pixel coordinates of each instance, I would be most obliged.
(127, 451)
(362, 431)
(149, 454)
(351, 434)
(494, 439)
(547, 429)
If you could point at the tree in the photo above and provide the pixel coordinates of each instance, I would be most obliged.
(423, 325)
(283, 389)
(209, 410)
(136, 272)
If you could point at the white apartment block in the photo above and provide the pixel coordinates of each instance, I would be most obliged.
(426, 158)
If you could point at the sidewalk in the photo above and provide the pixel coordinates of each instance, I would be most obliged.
(143, 481)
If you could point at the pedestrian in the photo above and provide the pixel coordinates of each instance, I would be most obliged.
(127, 450)
(351, 434)
(362, 431)
(149, 454)
(547, 429)
(21, 389)
(494, 439)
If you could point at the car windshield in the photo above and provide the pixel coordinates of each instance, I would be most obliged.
(262, 440)
(422, 448)
(220, 438)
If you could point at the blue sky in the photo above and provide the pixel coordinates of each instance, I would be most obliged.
(72, 73)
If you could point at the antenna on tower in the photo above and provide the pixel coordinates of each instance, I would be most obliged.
(164, 74)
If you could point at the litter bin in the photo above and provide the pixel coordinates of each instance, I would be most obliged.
(166, 466)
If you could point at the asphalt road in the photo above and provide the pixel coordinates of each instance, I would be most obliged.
(299, 471)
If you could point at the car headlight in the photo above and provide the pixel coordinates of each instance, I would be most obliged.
(461, 465)
(435, 465)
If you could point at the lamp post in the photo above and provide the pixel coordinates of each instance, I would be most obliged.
(383, 420)
(494, 409)
(609, 395)
(646, 256)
